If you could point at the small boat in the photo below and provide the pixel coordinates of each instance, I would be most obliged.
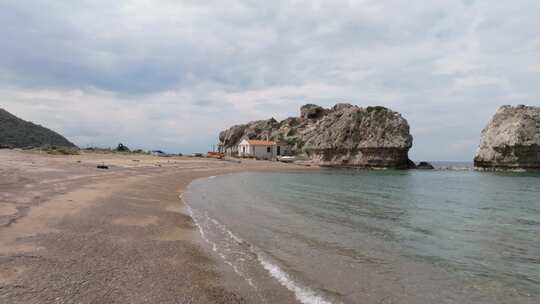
(286, 159)
(217, 155)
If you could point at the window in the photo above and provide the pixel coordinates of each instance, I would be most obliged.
(268, 149)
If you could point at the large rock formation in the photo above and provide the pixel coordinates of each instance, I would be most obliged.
(17, 133)
(344, 135)
(511, 140)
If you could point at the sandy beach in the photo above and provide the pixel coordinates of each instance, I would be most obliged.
(72, 233)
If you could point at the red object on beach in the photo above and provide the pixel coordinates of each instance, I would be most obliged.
(218, 155)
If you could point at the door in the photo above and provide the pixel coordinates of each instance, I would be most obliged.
(278, 150)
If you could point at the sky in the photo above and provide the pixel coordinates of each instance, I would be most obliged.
(171, 74)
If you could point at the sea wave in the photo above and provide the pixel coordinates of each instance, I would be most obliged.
(302, 293)
(215, 246)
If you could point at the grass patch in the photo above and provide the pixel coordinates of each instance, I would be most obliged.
(59, 150)
(113, 151)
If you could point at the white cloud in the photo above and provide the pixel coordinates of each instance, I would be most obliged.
(173, 73)
(479, 80)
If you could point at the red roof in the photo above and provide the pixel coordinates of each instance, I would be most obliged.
(254, 142)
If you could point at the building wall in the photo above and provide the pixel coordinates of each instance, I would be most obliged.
(245, 150)
(261, 152)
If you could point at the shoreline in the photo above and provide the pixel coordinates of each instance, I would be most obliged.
(72, 233)
(274, 278)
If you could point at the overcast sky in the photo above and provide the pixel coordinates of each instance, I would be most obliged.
(171, 74)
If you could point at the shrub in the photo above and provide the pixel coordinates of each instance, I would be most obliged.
(60, 150)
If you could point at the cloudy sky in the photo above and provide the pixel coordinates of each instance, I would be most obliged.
(170, 74)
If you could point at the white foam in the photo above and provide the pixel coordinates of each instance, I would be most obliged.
(233, 236)
(236, 238)
(214, 245)
(190, 211)
(302, 294)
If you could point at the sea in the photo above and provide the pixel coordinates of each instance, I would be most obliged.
(377, 236)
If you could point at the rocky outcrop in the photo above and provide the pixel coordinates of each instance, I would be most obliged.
(261, 129)
(511, 140)
(423, 165)
(17, 133)
(311, 111)
(345, 135)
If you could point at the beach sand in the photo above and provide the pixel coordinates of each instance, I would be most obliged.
(72, 233)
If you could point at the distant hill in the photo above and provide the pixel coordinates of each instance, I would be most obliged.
(20, 133)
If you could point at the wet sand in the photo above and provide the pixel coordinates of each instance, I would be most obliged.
(72, 233)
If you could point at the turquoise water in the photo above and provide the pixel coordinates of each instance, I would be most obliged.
(378, 236)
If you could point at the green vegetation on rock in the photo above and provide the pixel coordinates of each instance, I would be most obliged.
(18, 133)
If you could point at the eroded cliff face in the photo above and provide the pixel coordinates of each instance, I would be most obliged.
(344, 135)
(511, 140)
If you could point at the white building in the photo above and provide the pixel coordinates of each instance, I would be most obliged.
(262, 149)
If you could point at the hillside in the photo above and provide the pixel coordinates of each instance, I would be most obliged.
(19, 133)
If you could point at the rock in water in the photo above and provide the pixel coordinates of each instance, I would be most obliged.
(345, 135)
(511, 140)
(18, 133)
(424, 165)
